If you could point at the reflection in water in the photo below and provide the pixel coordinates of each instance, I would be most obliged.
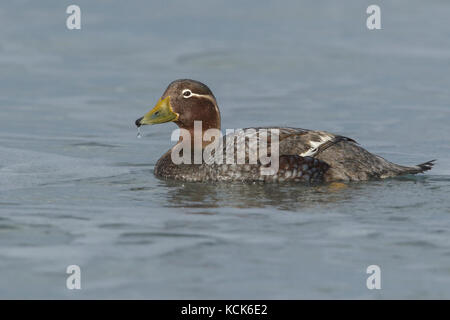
(288, 196)
(285, 196)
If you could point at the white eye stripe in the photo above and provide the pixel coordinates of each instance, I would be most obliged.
(188, 93)
(207, 96)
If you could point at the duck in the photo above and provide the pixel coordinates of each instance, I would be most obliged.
(302, 155)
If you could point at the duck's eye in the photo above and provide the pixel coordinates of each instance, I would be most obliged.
(187, 93)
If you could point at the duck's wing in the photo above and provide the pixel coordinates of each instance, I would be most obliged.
(240, 155)
(307, 143)
(292, 141)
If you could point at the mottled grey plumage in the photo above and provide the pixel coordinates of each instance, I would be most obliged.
(304, 155)
(338, 159)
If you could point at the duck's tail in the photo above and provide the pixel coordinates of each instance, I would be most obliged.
(419, 168)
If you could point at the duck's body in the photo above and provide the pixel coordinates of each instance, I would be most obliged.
(304, 155)
(337, 159)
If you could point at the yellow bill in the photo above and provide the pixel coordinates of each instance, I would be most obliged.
(161, 113)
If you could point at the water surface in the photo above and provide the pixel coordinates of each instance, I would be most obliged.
(77, 186)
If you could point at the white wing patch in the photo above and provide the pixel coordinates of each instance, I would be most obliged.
(316, 144)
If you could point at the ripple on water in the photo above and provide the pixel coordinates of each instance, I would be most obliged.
(167, 241)
(417, 244)
(93, 145)
(30, 235)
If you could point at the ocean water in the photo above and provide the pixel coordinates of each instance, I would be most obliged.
(77, 186)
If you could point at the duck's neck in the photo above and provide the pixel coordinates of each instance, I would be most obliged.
(197, 131)
(198, 128)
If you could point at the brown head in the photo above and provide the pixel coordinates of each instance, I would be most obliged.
(184, 102)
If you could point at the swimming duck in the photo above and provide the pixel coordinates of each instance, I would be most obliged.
(303, 155)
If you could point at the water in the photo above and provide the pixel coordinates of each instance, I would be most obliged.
(76, 185)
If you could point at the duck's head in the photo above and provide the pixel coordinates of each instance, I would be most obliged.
(184, 102)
